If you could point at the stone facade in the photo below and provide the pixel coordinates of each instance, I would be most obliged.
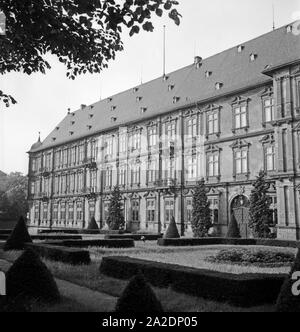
(157, 160)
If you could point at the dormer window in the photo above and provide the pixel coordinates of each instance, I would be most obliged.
(143, 109)
(53, 139)
(57, 128)
(176, 99)
(72, 123)
(165, 77)
(171, 87)
(289, 29)
(109, 100)
(208, 74)
(219, 86)
(135, 90)
(113, 119)
(240, 48)
(71, 133)
(138, 99)
(91, 116)
(253, 57)
(89, 127)
(113, 108)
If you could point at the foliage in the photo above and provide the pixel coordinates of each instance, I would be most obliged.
(252, 256)
(18, 237)
(201, 222)
(30, 278)
(172, 231)
(260, 213)
(288, 302)
(233, 229)
(115, 219)
(138, 297)
(84, 35)
(13, 196)
(93, 224)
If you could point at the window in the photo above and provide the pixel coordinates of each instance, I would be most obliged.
(79, 182)
(170, 169)
(214, 207)
(123, 143)
(93, 180)
(56, 184)
(73, 155)
(33, 166)
(274, 211)
(135, 204)
(92, 207)
(152, 133)
(135, 141)
(269, 109)
(171, 130)
(57, 159)
(213, 123)
(71, 211)
(79, 213)
(72, 183)
(241, 162)
(135, 175)
(169, 211)
(151, 210)
(36, 212)
(270, 158)
(152, 171)
(81, 154)
(189, 211)
(213, 165)
(65, 157)
(45, 212)
(192, 127)
(109, 146)
(108, 177)
(240, 117)
(122, 175)
(32, 188)
(298, 90)
(55, 211)
(192, 168)
(63, 211)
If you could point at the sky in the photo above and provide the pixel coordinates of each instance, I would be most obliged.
(207, 28)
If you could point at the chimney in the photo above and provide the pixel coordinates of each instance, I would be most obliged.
(198, 61)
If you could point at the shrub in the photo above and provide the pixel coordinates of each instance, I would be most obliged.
(252, 256)
(30, 278)
(172, 231)
(287, 302)
(18, 237)
(138, 297)
(201, 222)
(233, 229)
(93, 225)
(115, 219)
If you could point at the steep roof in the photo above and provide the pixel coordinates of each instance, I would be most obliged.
(232, 68)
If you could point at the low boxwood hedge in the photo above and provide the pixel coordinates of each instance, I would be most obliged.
(61, 254)
(125, 243)
(227, 241)
(135, 237)
(244, 290)
(56, 237)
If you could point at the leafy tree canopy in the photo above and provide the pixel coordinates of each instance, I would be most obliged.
(83, 34)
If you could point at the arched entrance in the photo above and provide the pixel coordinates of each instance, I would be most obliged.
(240, 208)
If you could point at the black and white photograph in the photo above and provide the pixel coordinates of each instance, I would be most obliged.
(149, 159)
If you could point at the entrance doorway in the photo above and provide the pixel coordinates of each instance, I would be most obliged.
(240, 208)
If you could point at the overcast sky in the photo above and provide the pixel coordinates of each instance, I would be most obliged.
(207, 27)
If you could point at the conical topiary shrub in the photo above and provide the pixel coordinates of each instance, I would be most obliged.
(172, 231)
(287, 301)
(233, 228)
(18, 237)
(138, 297)
(93, 226)
(30, 278)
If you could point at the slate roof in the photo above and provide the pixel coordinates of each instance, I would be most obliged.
(233, 69)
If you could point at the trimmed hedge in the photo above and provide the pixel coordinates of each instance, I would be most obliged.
(226, 241)
(18, 237)
(135, 237)
(78, 231)
(56, 237)
(126, 243)
(244, 290)
(60, 253)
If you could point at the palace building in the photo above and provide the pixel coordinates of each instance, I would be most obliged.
(223, 118)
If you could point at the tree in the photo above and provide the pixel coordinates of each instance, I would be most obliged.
(201, 222)
(260, 213)
(18, 237)
(138, 297)
(115, 219)
(84, 34)
(93, 224)
(233, 229)
(287, 301)
(172, 231)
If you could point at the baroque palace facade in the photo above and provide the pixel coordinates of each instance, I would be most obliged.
(223, 118)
